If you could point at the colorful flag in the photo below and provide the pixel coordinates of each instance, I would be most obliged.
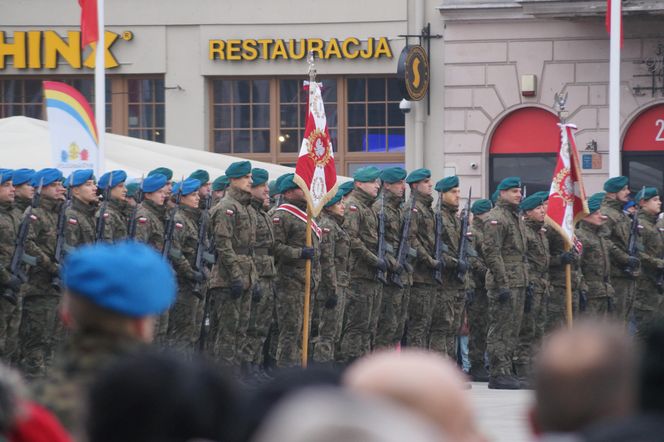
(607, 20)
(72, 128)
(315, 171)
(567, 197)
(89, 23)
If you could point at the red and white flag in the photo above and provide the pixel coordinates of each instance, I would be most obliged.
(315, 171)
(89, 22)
(567, 197)
(607, 20)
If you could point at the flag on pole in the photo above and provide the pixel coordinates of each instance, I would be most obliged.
(315, 171)
(89, 22)
(567, 197)
(607, 21)
(72, 128)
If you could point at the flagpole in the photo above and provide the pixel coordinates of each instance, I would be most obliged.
(307, 294)
(614, 89)
(100, 89)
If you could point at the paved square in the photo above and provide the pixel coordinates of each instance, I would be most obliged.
(502, 414)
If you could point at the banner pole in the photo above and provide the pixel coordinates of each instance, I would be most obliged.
(100, 90)
(307, 294)
(568, 292)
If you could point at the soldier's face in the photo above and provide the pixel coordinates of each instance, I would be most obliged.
(370, 187)
(7, 192)
(623, 195)
(86, 192)
(537, 214)
(54, 190)
(261, 192)
(119, 192)
(596, 218)
(243, 183)
(168, 188)
(25, 191)
(204, 190)
(398, 188)
(652, 206)
(218, 194)
(158, 197)
(452, 196)
(425, 187)
(337, 209)
(191, 200)
(512, 196)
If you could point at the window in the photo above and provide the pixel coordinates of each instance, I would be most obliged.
(146, 109)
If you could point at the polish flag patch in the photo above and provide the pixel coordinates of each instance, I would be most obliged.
(33, 217)
(72, 221)
(106, 215)
(229, 212)
(276, 220)
(493, 222)
(142, 220)
(178, 225)
(352, 208)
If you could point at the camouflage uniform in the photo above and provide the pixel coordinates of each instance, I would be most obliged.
(39, 320)
(648, 301)
(505, 248)
(10, 314)
(618, 225)
(289, 237)
(556, 304)
(478, 310)
(394, 306)
(21, 204)
(117, 219)
(234, 226)
(423, 290)
(183, 328)
(450, 298)
(363, 298)
(595, 269)
(80, 225)
(262, 305)
(334, 258)
(532, 324)
(65, 390)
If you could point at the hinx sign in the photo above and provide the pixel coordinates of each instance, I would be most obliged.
(413, 72)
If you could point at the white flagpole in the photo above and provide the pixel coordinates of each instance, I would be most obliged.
(100, 89)
(614, 90)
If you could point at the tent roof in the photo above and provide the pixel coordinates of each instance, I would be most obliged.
(25, 142)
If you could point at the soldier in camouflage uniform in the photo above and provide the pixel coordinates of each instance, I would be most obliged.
(450, 298)
(648, 301)
(80, 215)
(334, 258)
(206, 187)
(363, 297)
(289, 225)
(168, 190)
(234, 274)
(505, 247)
(40, 296)
(537, 292)
(112, 295)
(219, 187)
(25, 190)
(183, 326)
(423, 290)
(394, 307)
(478, 308)
(618, 225)
(555, 308)
(262, 303)
(117, 209)
(596, 294)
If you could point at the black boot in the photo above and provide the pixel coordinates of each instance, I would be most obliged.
(504, 382)
(479, 374)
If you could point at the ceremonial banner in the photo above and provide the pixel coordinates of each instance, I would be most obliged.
(89, 22)
(72, 128)
(567, 197)
(315, 171)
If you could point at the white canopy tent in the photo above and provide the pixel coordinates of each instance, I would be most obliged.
(25, 142)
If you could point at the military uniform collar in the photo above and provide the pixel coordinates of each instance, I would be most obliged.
(508, 206)
(422, 198)
(257, 204)
(6, 206)
(648, 217)
(535, 225)
(363, 197)
(118, 204)
(48, 203)
(79, 205)
(192, 212)
(450, 208)
(152, 206)
(392, 199)
(332, 217)
(614, 204)
(241, 196)
(477, 221)
(591, 227)
(302, 205)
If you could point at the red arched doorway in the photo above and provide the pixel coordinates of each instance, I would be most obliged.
(525, 143)
(643, 149)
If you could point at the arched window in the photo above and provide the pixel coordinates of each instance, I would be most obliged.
(643, 149)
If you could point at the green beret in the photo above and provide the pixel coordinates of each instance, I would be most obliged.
(334, 200)
(481, 206)
(132, 188)
(542, 194)
(366, 174)
(646, 194)
(509, 183)
(287, 183)
(616, 184)
(238, 169)
(201, 175)
(531, 202)
(346, 188)
(393, 174)
(272, 187)
(220, 183)
(447, 184)
(595, 202)
(165, 171)
(418, 175)
(494, 196)
(259, 176)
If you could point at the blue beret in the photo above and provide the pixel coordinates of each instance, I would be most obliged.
(335, 199)
(5, 175)
(418, 175)
(646, 194)
(481, 206)
(79, 177)
(119, 176)
(187, 186)
(165, 171)
(542, 194)
(220, 183)
(129, 278)
(366, 174)
(238, 169)
(346, 188)
(287, 183)
(494, 196)
(595, 202)
(132, 188)
(259, 176)
(447, 184)
(531, 202)
(47, 176)
(154, 182)
(393, 174)
(22, 176)
(201, 175)
(616, 184)
(509, 183)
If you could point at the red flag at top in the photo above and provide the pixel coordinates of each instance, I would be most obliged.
(89, 22)
(607, 21)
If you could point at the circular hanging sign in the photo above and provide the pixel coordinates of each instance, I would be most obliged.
(413, 72)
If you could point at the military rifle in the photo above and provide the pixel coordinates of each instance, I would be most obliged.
(131, 223)
(660, 281)
(404, 243)
(439, 247)
(19, 257)
(632, 243)
(170, 224)
(101, 220)
(61, 246)
(203, 255)
(463, 240)
(381, 274)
